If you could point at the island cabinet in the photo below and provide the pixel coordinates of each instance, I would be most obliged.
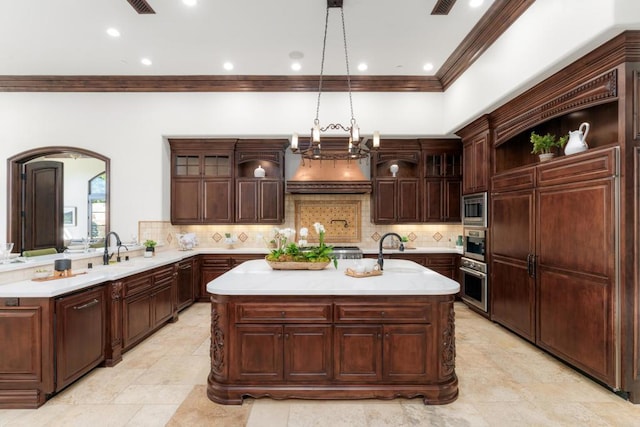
(202, 183)
(324, 347)
(443, 263)
(260, 181)
(148, 302)
(282, 342)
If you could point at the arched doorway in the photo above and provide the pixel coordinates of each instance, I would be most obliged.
(17, 189)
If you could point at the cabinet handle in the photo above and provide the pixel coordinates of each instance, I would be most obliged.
(87, 305)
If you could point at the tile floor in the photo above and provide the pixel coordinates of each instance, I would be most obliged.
(504, 381)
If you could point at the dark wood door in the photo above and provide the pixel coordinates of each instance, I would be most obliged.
(576, 275)
(185, 279)
(358, 353)
(408, 200)
(271, 202)
(258, 353)
(433, 197)
(512, 286)
(385, 193)
(246, 200)
(80, 334)
(408, 355)
(43, 208)
(186, 203)
(137, 318)
(452, 200)
(217, 201)
(308, 352)
(211, 267)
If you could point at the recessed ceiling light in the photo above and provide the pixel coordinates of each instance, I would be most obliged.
(428, 66)
(296, 66)
(228, 66)
(146, 61)
(475, 3)
(362, 66)
(113, 32)
(190, 2)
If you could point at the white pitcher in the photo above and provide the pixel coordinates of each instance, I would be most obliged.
(577, 140)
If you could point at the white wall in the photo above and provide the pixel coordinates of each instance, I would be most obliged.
(131, 128)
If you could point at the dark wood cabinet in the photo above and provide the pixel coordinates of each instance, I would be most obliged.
(211, 266)
(476, 145)
(332, 347)
(443, 263)
(186, 282)
(149, 300)
(81, 327)
(260, 200)
(202, 190)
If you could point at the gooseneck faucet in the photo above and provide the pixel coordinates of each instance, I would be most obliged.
(401, 248)
(105, 256)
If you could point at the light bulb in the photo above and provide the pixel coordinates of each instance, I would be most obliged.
(376, 139)
(294, 141)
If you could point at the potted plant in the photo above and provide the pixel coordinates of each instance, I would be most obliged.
(407, 243)
(230, 240)
(544, 145)
(150, 247)
(289, 256)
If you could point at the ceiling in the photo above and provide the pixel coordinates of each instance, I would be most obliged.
(260, 37)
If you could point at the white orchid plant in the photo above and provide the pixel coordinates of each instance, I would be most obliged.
(291, 251)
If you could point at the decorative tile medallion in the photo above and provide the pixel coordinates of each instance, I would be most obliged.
(412, 236)
(375, 236)
(341, 219)
(243, 237)
(217, 237)
(169, 238)
(437, 237)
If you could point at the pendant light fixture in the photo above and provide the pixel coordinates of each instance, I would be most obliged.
(356, 148)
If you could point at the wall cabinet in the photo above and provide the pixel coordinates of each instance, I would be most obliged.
(476, 145)
(202, 181)
(148, 302)
(81, 328)
(260, 200)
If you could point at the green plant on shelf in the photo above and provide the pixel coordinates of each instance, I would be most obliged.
(544, 144)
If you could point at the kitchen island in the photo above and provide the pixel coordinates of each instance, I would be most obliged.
(325, 335)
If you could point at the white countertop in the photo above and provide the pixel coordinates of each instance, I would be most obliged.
(400, 277)
(100, 273)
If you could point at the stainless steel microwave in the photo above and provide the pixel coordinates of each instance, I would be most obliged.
(474, 210)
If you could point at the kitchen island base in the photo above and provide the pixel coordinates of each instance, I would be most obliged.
(332, 347)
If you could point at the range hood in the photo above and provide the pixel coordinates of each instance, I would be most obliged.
(329, 177)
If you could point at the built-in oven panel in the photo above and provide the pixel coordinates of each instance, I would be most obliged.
(474, 210)
(475, 243)
(474, 283)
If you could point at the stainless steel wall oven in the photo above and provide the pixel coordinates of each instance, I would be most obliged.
(475, 284)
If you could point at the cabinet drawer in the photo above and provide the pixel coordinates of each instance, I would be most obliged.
(163, 276)
(282, 313)
(136, 284)
(441, 260)
(383, 313)
(215, 263)
(514, 180)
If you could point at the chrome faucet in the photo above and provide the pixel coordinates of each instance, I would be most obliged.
(400, 248)
(105, 256)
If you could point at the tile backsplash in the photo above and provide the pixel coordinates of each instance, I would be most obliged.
(252, 236)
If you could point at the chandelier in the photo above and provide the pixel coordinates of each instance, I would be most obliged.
(356, 148)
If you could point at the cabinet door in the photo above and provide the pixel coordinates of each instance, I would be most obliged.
(247, 200)
(433, 197)
(512, 287)
(162, 300)
(576, 274)
(80, 334)
(257, 353)
(186, 201)
(271, 202)
(217, 201)
(137, 318)
(186, 291)
(452, 200)
(357, 353)
(385, 193)
(481, 163)
(408, 200)
(211, 267)
(308, 352)
(408, 354)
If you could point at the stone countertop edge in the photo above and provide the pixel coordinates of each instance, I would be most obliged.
(101, 273)
(400, 277)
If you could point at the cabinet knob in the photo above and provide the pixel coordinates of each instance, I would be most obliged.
(283, 314)
(382, 313)
(379, 336)
(286, 336)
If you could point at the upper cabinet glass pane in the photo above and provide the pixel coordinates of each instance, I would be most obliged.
(187, 166)
(217, 166)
